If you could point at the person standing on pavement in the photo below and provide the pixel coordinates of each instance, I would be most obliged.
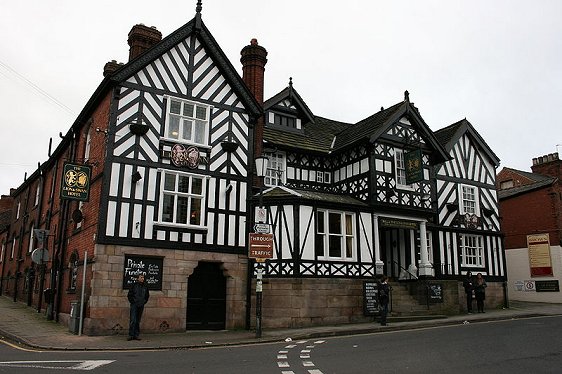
(480, 292)
(384, 296)
(468, 289)
(138, 296)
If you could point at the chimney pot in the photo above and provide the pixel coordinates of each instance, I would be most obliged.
(141, 38)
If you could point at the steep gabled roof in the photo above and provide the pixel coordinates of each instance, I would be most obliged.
(289, 93)
(317, 136)
(374, 126)
(365, 128)
(195, 26)
(448, 137)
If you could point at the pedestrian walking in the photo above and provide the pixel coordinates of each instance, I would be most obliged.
(468, 289)
(384, 296)
(138, 296)
(480, 292)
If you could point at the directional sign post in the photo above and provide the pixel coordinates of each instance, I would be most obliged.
(261, 246)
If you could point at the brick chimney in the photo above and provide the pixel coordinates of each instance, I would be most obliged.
(254, 58)
(549, 165)
(142, 38)
(110, 67)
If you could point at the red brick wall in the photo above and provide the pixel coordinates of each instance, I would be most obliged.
(509, 174)
(534, 212)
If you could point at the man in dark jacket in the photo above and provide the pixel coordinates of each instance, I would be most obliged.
(468, 289)
(384, 296)
(138, 296)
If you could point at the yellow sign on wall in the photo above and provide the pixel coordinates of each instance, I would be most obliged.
(539, 255)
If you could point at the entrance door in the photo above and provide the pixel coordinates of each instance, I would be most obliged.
(206, 298)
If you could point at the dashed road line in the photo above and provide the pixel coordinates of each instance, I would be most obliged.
(304, 355)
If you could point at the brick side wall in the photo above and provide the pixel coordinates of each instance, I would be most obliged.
(534, 212)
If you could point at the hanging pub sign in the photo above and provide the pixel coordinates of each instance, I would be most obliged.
(75, 184)
(414, 166)
(539, 254)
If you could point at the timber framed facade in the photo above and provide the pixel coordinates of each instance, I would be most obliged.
(170, 138)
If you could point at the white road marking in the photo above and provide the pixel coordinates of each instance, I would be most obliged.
(283, 364)
(279, 357)
(315, 371)
(287, 372)
(78, 365)
(307, 363)
(305, 356)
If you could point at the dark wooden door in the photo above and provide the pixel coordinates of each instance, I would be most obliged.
(206, 298)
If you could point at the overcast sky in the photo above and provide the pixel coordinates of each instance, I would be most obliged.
(497, 63)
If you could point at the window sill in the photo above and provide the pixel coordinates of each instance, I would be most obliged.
(167, 225)
(185, 142)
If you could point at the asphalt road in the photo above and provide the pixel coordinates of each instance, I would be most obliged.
(531, 345)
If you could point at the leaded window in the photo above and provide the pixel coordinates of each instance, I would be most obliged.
(187, 121)
(182, 198)
(334, 235)
(472, 251)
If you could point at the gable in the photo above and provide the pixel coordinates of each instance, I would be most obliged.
(189, 62)
(468, 162)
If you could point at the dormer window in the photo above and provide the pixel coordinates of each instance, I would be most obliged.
(285, 121)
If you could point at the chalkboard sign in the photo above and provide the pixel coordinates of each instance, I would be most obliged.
(435, 291)
(151, 267)
(370, 298)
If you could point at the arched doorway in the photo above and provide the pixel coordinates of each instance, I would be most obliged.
(206, 298)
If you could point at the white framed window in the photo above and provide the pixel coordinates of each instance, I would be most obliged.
(18, 210)
(2, 253)
(88, 145)
(468, 199)
(31, 239)
(275, 175)
(400, 170)
(182, 199)
(80, 207)
(187, 121)
(37, 194)
(334, 235)
(322, 177)
(472, 251)
(14, 241)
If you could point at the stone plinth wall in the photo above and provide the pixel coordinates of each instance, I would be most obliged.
(108, 311)
(291, 303)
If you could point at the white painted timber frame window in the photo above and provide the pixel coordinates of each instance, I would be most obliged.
(472, 251)
(468, 199)
(400, 170)
(334, 235)
(322, 177)
(182, 199)
(187, 121)
(275, 174)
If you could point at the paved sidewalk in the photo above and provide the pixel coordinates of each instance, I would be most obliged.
(22, 324)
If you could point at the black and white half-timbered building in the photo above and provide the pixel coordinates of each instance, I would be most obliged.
(171, 138)
(343, 206)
